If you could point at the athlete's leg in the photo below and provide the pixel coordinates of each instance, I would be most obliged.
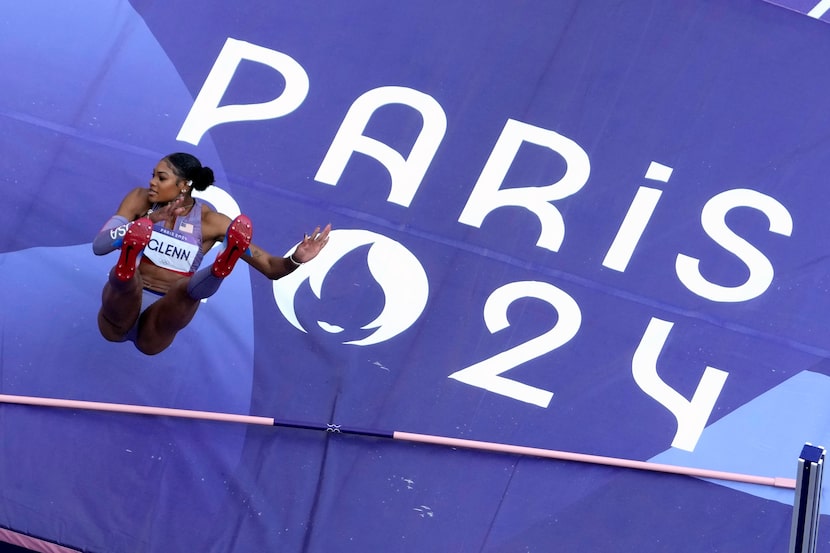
(206, 281)
(121, 297)
(203, 284)
(159, 324)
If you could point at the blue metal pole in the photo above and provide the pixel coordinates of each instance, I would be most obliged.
(804, 531)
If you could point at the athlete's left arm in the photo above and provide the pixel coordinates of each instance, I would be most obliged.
(215, 225)
(275, 267)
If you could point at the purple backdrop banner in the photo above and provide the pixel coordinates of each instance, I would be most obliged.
(577, 225)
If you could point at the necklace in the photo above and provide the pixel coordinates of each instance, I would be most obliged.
(156, 206)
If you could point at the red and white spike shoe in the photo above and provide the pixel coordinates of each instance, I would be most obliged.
(237, 240)
(136, 238)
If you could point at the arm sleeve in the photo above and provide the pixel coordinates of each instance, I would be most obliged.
(111, 235)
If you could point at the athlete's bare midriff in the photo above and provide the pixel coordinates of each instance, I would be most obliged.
(156, 278)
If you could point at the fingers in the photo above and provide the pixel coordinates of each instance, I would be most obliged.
(318, 236)
(312, 244)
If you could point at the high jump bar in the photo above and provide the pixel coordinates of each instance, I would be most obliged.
(778, 482)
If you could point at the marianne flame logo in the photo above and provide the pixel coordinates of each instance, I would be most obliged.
(395, 269)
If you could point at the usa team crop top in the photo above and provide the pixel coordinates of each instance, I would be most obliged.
(180, 249)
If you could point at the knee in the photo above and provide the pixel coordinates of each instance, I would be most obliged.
(150, 344)
(149, 350)
(109, 331)
(113, 337)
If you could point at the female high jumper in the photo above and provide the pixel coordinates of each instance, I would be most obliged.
(155, 288)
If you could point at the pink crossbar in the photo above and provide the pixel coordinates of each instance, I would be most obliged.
(33, 544)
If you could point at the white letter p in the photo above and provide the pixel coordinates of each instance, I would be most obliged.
(207, 113)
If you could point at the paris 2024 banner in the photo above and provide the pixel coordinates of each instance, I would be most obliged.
(587, 227)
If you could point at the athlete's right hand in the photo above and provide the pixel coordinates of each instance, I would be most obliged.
(170, 211)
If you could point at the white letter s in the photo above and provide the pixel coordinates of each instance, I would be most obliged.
(713, 219)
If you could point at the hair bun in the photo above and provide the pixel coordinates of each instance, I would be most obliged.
(206, 176)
